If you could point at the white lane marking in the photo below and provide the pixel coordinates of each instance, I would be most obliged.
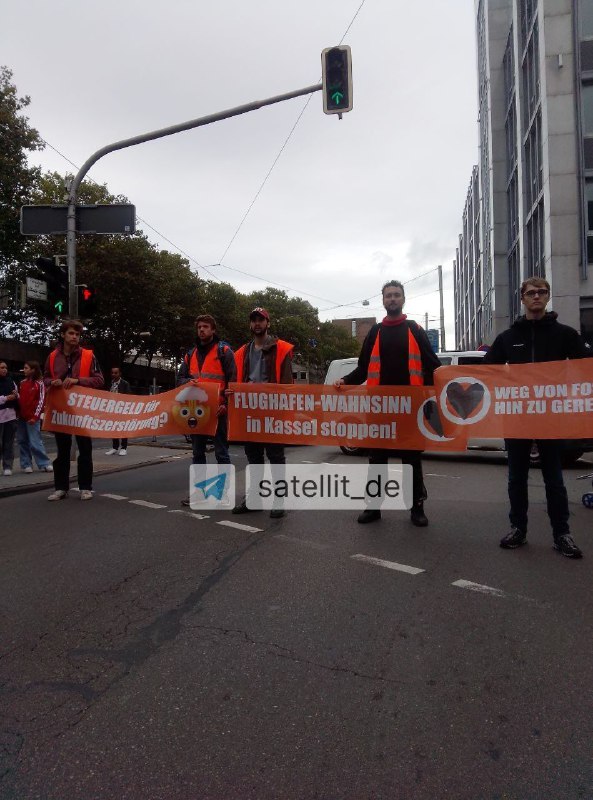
(307, 462)
(305, 542)
(479, 587)
(379, 562)
(436, 475)
(146, 504)
(188, 513)
(240, 527)
(114, 496)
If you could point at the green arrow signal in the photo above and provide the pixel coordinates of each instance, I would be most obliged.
(59, 306)
(337, 97)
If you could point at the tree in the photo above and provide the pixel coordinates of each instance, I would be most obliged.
(17, 179)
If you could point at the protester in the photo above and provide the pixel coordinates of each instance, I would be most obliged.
(209, 361)
(534, 337)
(266, 359)
(71, 365)
(8, 412)
(396, 352)
(118, 386)
(31, 400)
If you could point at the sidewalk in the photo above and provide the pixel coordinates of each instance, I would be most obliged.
(141, 452)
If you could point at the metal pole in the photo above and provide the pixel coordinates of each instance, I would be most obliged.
(426, 320)
(147, 137)
(440, 269)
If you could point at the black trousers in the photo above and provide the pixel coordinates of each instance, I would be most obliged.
(62, 461)
(411, 457)
(116, 444)
(255, 453)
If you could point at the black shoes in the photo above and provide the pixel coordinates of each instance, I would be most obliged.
(513, 539)
(369, 515)
(417, 515)
(276, 513)
(242, 508)
(185, 502)
(565, 545)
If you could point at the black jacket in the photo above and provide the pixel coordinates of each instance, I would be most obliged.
(393, 351)
(529, 340)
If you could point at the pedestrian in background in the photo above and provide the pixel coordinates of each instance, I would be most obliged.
(66, 366)
(31, 400)
(9, 396)
(118, 386)
(534, 337)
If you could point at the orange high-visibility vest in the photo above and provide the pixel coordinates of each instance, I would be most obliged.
(86, 360)
(212, 370)
(414, 362)
(282, 350)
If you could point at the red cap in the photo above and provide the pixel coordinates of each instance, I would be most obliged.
(260, 312)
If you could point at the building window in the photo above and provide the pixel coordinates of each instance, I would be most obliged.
(514, 262)
(533, 163)
(534, 234)
(589, 219)
(586, 18)
(528, 12)
(587, 324)
(530, 69)
(587, 100)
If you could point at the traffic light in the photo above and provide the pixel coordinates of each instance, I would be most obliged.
(56, 277)
(336, 71)
(87, 301)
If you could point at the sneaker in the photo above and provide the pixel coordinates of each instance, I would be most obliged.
(514, 539)
(7, 473)
(185, 502)
(28, 470)
(242, 508)
(565, 545)
(417, 515)
(86, 494)
(59, 494)
(369, 515)
(277, 513)
(123, 452)
(111, 452)
(47, 468)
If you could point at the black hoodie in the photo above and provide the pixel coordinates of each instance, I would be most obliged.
(529, 340)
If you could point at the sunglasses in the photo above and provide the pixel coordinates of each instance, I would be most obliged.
(536, 292)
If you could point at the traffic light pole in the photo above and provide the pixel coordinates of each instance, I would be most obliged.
(147, 137)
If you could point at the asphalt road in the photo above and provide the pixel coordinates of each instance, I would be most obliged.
(148, 652)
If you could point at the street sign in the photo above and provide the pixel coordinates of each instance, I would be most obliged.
(36, 290)
(100, 219)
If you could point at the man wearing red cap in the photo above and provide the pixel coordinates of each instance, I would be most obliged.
(266, 359)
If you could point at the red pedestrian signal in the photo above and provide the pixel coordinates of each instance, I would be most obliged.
(87, 302)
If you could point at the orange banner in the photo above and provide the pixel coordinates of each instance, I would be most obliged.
(393, 417)
(549, 400)
(190, 408)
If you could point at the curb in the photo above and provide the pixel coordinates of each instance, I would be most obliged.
(38, 487)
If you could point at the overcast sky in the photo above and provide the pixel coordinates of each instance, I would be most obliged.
(348, 205)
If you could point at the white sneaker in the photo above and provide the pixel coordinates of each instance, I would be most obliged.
(59, 494)
(86, 494)
(111, 452)
(7, 473)
(123, 452)
(49, 468)
(28, 470)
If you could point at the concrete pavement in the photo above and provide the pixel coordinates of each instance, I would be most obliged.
(141, 452)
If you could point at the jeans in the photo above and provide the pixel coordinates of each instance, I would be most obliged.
(221, 445)
(31, 444)
(62, 462)
(550, 451)
(7, 431)
(411, 457)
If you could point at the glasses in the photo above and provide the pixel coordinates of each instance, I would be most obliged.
(536, 293)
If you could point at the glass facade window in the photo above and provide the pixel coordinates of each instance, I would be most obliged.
(533, 163)
(587, 323)
(528, 12)
(589, 219)
(534, 234)
(586, 18)
(530, 67)
(587, 101)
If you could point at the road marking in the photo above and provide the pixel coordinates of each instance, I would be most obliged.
(436, 475)
(240, 527)
(379, 562)
(479, 587)
(146, 504)
(308, 462)
(305, 542)
(114, 496)
(188, 513)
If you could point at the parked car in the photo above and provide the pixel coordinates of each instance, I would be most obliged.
(573, 448)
